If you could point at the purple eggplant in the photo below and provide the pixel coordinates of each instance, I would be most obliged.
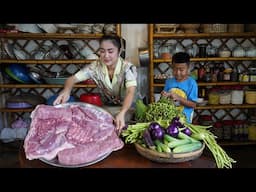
(176, 121)
(147, 138)
(187, 131)
(172, 130)
(154, 126)
(157, 134)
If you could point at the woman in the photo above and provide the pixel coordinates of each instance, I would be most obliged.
(116, 78)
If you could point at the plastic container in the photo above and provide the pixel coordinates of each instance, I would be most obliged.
(237, 96)
(225, 97)
(213, 98)
(252, 132)
(250, 97)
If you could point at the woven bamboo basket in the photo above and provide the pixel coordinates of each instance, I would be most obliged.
(215, 28)
(168, 157)
(236, 28)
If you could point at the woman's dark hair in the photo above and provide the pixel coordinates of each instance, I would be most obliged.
(115, 39)
(181, 57)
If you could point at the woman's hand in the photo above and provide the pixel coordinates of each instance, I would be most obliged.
(62, 98)
(120, 122)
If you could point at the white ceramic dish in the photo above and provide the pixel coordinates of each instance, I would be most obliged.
(9, 50)
(48, 28)
(20, 54)
(203, 103)
(30, 28)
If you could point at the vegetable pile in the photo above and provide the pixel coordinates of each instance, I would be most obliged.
(161, 127)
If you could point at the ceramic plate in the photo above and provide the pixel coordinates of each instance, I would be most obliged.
(20, 54)
(9, 50)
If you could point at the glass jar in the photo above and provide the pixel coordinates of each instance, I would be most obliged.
(238, 51)
(252, 72)
(252, 131)
(202, 50)
(211, 51)
(165, 52)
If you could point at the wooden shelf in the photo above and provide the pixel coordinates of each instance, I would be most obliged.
(29, 43)
(16, 110)
(236, 143)
(228, 106)
(44, 86)
(213, 83)
(50, 36)
(209, 59)
(203, 35)
(32, 61)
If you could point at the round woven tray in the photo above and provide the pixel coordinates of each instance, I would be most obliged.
(168, 157)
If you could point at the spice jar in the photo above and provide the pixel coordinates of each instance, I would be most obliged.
(252, 72)
(218, 130)
(227, 74)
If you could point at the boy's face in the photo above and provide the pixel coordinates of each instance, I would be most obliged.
(180, 71)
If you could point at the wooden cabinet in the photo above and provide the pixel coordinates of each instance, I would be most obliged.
(160, 65)
(28, 47)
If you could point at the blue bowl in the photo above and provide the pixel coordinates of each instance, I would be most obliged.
(21, 72)
(51, 99)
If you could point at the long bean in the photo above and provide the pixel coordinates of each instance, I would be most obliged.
(221, 157)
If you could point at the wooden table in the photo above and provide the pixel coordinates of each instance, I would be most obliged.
(127, 157)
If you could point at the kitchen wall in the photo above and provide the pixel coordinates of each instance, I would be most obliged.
(136, 36)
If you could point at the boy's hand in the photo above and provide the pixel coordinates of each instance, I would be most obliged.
(165, 94)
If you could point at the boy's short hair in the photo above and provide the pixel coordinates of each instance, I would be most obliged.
(181, 57)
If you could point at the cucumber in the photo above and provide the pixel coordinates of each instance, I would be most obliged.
(187, 147)
(179, 142)
(169, 138)
(163, 147)
(182, 135)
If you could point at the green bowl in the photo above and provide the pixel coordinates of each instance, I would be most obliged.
(57, 80)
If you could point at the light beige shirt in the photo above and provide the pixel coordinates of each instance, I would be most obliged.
(125, 75)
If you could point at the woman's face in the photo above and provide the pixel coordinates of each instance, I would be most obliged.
(180, 71)
(109, 53)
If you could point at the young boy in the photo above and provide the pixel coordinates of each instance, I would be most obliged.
(182, 88)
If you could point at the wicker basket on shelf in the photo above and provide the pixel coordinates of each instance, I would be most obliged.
(215, 28)
(236, 28)
(166, 28)
(168, 157)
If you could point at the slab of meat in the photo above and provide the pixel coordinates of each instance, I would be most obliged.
(75, 134)
(90, 151)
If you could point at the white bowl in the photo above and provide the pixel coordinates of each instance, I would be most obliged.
(200, 100)
(30, 28)
(48, 28)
